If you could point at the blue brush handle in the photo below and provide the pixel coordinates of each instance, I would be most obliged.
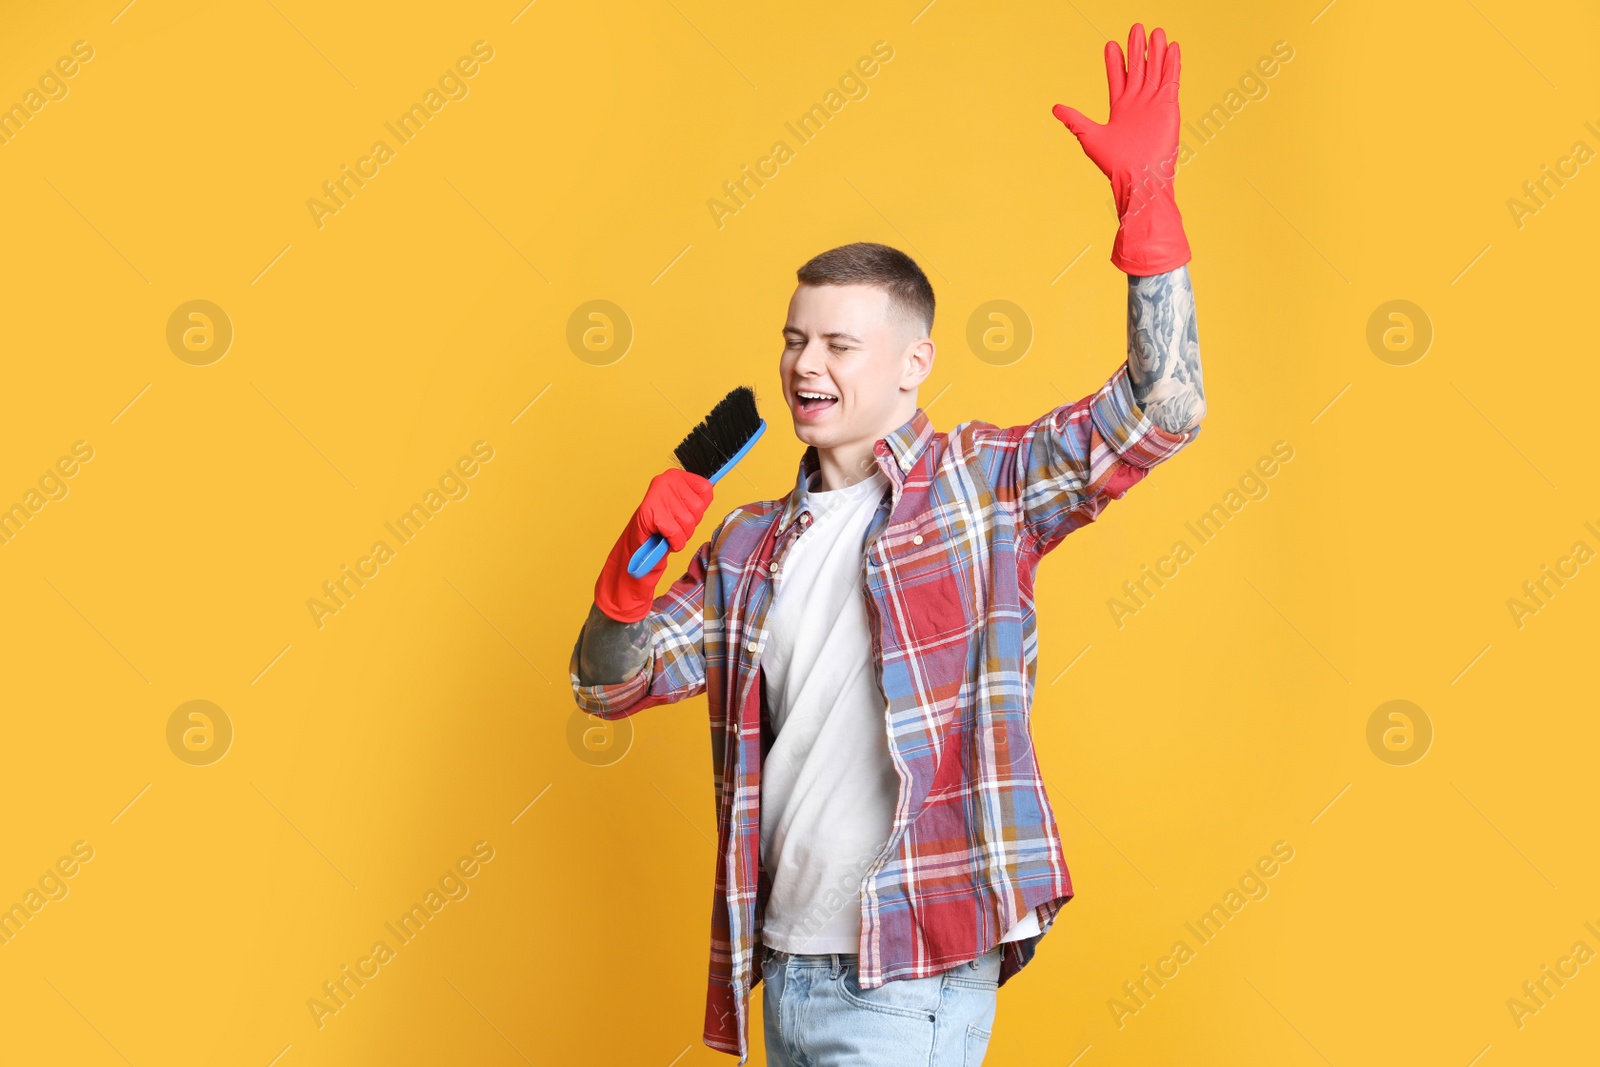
(655, 547)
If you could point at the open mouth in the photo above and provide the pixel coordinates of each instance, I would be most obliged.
(811, 403)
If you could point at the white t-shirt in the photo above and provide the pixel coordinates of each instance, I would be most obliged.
(828, 785)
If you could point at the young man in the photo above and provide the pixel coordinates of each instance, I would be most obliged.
(887, 855)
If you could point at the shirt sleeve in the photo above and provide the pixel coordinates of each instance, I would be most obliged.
(1064, 467)
(676, 669)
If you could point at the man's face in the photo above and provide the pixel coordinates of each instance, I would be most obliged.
(840, 340)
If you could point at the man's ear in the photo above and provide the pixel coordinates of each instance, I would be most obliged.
(919, 362)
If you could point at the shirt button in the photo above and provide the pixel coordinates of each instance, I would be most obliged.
(749, 646)
(806, 518)
(917, 540)
(772, 568)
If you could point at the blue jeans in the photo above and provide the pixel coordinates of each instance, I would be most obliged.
(815, 1014)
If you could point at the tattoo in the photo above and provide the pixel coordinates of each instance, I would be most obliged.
(611, 651)
(1164, 350)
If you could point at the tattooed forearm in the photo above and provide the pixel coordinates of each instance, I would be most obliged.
(611, 651)
(1164, 350)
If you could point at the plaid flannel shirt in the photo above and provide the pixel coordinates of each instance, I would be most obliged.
(948, 565)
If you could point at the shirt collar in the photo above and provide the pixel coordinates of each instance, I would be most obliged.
(897, 452)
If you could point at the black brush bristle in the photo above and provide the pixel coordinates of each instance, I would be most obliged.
(720, 434)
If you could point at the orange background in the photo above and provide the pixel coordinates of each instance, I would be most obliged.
(431, 712)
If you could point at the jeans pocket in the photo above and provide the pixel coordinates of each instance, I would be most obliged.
(977, 1045)
(916, 998)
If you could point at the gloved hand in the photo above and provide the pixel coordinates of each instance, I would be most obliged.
(672, 506)
(1137, 149)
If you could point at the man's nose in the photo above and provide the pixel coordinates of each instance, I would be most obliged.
(811, 358)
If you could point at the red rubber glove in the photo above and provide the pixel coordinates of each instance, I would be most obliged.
(672, 506)
(1137, 149)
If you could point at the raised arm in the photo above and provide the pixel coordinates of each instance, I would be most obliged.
(1137, 149)
(1067, 464)
(1164, 350)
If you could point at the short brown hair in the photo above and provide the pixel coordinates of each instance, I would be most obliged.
(866, 263)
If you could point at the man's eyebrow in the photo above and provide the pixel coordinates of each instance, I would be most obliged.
(830, 335)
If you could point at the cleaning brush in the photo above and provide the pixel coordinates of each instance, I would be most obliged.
(711, 449)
